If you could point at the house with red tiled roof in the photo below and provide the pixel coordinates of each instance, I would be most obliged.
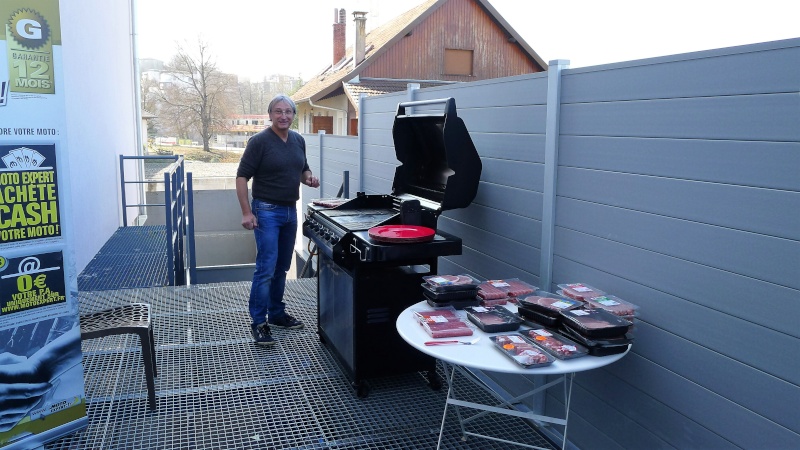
(437, 42)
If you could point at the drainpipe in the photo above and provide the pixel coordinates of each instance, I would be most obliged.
(310, 103)
(137, 87)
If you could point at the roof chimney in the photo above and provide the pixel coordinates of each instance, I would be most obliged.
(360, 42)
(339, 35)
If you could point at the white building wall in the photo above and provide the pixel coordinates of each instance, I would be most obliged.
(101, 115)
(336, 107)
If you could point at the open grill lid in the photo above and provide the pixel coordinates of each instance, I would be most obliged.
(439, 162)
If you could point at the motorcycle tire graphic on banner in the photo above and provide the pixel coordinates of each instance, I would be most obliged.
(41, 376)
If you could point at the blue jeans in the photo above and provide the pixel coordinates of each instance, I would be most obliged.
(275, 237)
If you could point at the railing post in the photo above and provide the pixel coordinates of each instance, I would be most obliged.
(168, 220)
(550, 170)
(190, 224)
(122, 190)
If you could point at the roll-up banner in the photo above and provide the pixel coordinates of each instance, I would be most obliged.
(41, 375)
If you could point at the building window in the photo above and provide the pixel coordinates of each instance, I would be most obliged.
(457, 62)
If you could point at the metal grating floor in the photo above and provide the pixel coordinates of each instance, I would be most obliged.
(216, 390)
(133, 257)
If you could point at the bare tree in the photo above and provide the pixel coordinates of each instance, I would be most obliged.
(196, 97)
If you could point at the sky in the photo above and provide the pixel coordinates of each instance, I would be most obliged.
(258, 38)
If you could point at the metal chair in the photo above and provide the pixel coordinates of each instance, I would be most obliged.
(133, 318)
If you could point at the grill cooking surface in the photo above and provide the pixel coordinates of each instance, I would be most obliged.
(358, 219)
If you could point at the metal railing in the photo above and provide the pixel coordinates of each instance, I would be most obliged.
(178, 214)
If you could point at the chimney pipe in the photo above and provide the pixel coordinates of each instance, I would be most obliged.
(339, 34)
(360, 42)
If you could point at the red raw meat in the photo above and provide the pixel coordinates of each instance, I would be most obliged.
(488, 290)
(560, 347)
(447, 329)
(517, 288)
(580, 291)
(550, 303)
(612, 304)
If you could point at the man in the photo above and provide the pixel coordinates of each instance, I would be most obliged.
(275, 159)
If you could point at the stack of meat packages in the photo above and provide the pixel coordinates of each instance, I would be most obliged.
(500, 292)
(601, 322)
(458, 291)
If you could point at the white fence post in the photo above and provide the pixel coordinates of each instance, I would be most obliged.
(550, 170)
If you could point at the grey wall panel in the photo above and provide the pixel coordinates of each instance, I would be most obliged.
(377, 185)
(378, 137)
(636, 271)
(378, 169)
(767, 71)
(773, 165)
(486, 267)
(640, 276)
(677, 187)
(510, 173)
(744, 385)
(512, 226)
(512, 200)
(505, 119)
(770, 117)
(513, 147)
(712, 411)
(608, 418)
(757, 210)
(601, 397)
(759, 256)
(525, 257)
(381, 154)
(520, 90)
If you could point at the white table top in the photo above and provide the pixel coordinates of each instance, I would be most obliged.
(483, 355)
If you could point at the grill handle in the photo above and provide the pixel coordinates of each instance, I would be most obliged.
(449, 105)
(362, 256)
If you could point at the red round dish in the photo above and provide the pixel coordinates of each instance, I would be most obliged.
(401, 233)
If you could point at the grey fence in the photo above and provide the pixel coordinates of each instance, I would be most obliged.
(672, 182)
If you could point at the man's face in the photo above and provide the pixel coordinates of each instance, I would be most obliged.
(281, 116)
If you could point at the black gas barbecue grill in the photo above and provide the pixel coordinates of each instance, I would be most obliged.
(363, 284)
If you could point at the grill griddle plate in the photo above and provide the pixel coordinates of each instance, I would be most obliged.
(358, 220)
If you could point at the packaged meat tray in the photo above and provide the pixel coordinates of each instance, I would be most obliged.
(513, 287)
(548, 304)
(436, 315)
(457, 304)
(518, 348)
(579, 291)
(557, 345)
(539, 318)
(595, 323)
(599, 347)
(443, 322)
(493, 301)
(470, 293)
(493, 319)
(447, 329)
(442, 283)
(613, 304)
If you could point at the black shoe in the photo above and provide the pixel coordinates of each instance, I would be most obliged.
(286, 321)
(262, 335)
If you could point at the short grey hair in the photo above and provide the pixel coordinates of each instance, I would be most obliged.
(281, 98)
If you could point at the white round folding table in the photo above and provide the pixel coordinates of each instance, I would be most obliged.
(483, 356)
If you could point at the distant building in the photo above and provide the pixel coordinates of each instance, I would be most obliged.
(241, 128)
(435, 43)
